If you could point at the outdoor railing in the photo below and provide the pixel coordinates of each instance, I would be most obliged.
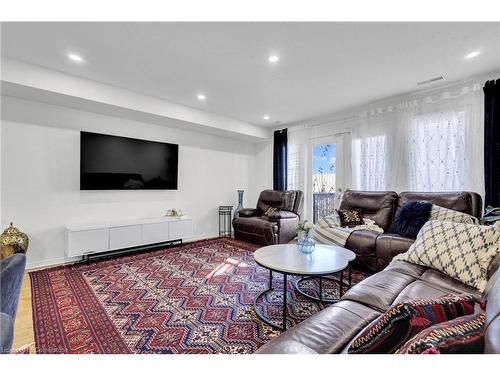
(323, 205)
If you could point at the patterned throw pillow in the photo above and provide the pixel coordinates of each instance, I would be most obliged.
(333, 221)
(458, 336)
(270, 211)
(350, 218)
(405, 320)
(462, 251)
(445, 214)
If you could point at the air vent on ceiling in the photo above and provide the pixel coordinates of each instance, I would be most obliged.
(430, 80)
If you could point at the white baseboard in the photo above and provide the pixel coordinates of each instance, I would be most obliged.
(48, 263)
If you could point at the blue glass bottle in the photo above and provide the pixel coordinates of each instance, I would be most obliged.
(306, 244)
(240, 203)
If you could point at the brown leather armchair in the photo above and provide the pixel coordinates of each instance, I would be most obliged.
(268, 227)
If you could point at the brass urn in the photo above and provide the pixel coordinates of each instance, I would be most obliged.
(13, 241)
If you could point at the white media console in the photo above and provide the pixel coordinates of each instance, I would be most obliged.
(90, 239)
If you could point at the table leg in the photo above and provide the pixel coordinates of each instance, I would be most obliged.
(320, 289)
(285, 292)
(270, 279)
(341, 282)
(350, 275)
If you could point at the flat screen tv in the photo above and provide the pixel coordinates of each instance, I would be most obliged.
(116, 163)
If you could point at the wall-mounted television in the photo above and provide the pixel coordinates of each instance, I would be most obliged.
(117, 163)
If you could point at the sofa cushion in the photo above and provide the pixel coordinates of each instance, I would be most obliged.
(405, 320)
(376, 205)
(457, 336)
(462, 251)
(328, 331)
(283, 200)
(463, 201)
(279, 214)
(390, 245)
(381, 289)
(411, 218)
(445, 214)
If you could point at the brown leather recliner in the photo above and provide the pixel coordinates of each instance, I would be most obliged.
(378, 206)
(257, 226)
(375, 251)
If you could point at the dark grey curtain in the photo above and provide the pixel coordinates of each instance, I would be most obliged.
(492, 142)
(280, 160)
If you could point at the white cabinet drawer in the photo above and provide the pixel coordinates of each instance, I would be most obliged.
(88, 241)
(180, 229)
(123, 237)
(154, 233)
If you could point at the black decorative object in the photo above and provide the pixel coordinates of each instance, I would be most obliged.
(225, 227)
(411, 218)
(280, 160)
(492, 142)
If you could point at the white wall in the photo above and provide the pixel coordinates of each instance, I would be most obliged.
(263, 177)
(40, 175)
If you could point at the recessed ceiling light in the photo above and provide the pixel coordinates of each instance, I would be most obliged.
(201, 97)
(472, 54)
(266, 117)
(274, 58)
(75, 57)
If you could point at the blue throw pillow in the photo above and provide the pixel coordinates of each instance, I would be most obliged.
(411, 218)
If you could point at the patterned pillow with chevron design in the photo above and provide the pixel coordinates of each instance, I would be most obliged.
(406, 319)
(462, 251)
(445, 214)
(463, 335)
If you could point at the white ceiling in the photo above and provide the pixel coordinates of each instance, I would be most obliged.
(323, 67)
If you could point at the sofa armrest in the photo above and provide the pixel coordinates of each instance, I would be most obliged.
(248, 212)
(11, 278)
(388, 246)
(278, 215)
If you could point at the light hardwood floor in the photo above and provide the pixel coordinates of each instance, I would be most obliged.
(23, 326)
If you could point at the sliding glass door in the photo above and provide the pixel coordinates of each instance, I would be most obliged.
(326, 175)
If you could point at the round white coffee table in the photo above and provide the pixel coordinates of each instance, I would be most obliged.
(287, 259)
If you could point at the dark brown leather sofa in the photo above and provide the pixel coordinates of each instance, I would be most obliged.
(333, 329)
(280, 226)
(375, 251)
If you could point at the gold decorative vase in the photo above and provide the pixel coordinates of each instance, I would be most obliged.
(13, 241)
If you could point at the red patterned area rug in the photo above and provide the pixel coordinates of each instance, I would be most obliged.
(194, 298)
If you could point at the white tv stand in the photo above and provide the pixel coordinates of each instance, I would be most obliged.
(94, 238)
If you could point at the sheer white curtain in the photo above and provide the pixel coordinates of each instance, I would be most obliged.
(369, 148)
(432, 142)
(424, 142)
(436, 152)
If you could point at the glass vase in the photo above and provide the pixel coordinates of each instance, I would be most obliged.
(240, 203)
(305, 243)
